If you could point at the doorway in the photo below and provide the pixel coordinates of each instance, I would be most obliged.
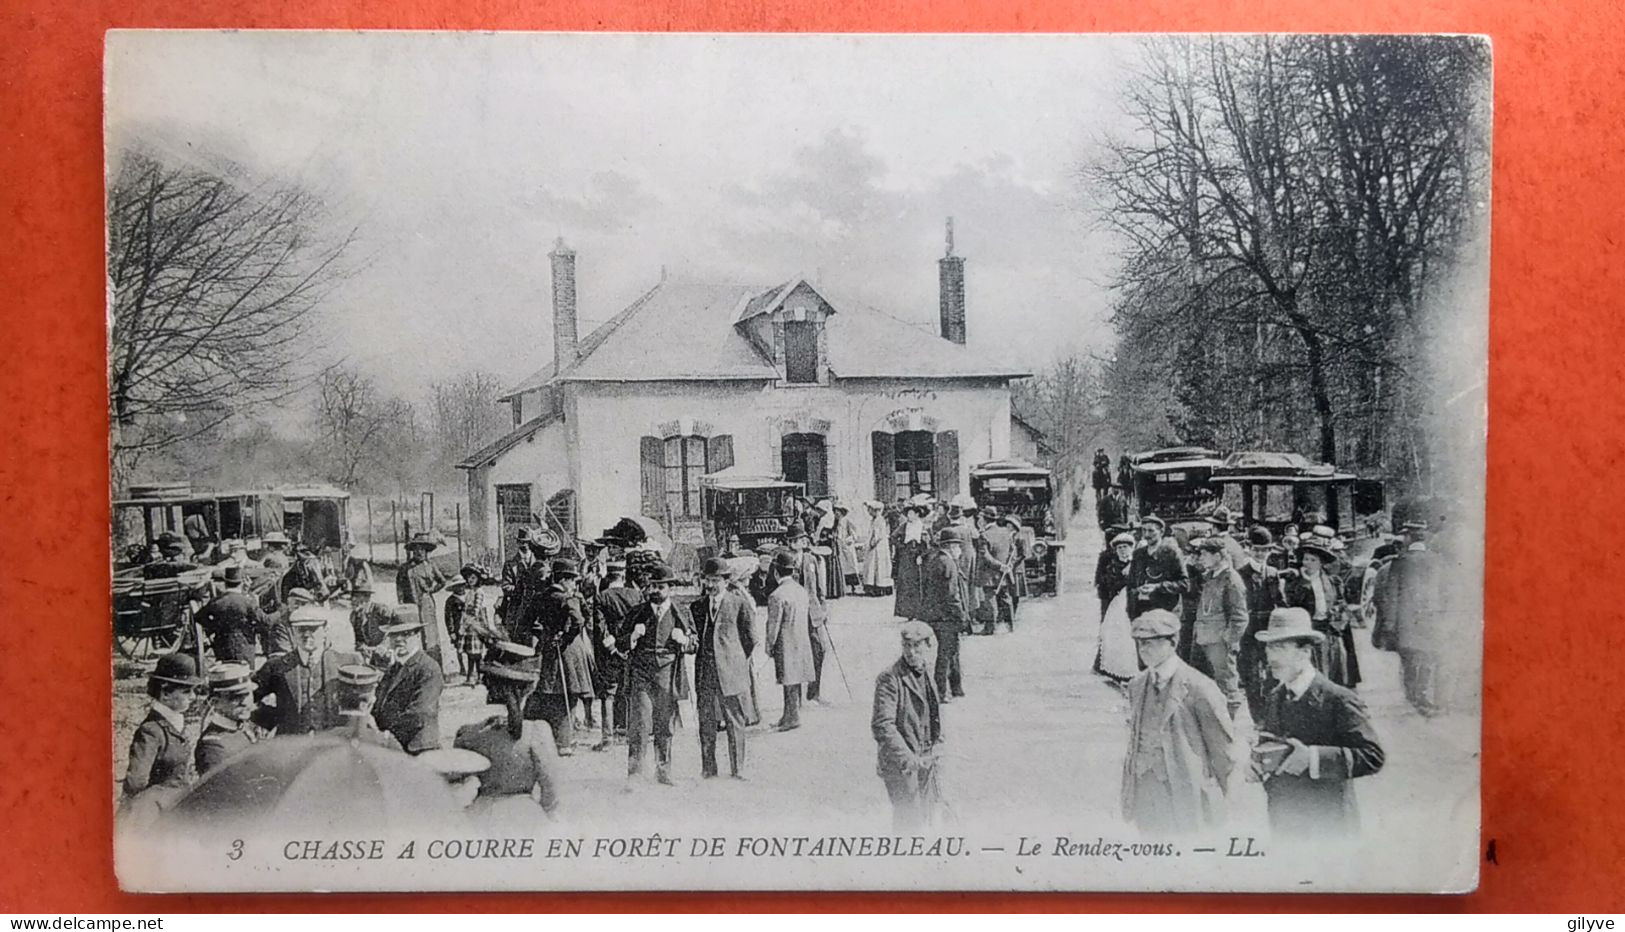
(806, 460)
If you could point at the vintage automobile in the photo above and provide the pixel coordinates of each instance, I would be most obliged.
(1173, 483)
(1277, 489)
(1026, 491)
(755, 507)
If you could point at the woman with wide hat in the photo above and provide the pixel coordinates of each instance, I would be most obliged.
(1316, 591)
(522, 780)
(160, 766)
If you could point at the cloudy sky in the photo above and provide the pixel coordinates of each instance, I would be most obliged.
(744, 158)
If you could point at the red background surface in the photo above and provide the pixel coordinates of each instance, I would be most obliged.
(1554, 727)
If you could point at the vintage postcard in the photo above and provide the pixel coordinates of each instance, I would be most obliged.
(653, 462)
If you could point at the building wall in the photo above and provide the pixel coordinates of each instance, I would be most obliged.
(607, 421)
(1023, 444)
(541, 461)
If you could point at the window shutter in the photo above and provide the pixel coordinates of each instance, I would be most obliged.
(652, 460)
(719, 453)
(885, 462)
(947, 464)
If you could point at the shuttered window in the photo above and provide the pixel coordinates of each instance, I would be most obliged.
(947, 464)
(801, 351)
(884, 458)
(651, 462)
(914, 464)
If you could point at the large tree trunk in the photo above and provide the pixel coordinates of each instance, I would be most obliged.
(1319, 393)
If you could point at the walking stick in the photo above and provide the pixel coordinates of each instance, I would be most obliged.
(840, 669)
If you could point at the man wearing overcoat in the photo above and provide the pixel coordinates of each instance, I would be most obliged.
(788, 637)
(907, 726)
(304, 680)
(1181, 743)
(722, 623)
(1156, 575)
(233, 621)
(657, 634)
(995, 572)
(1323, 730)
(408, 704)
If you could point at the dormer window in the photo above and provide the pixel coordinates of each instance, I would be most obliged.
(800, 351)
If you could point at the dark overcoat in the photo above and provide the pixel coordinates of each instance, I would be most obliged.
(1161, 567)
(560, 632)
(944, 599)
(159, 756)
(1333, 722)
(306, 696)
(906, 575)
(656, 660)
(233, 621)
(408, 705)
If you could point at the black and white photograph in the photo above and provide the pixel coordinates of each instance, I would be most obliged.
(564, 461)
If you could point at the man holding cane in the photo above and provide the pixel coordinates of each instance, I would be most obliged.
(907, 727)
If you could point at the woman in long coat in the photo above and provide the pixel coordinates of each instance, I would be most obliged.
(911, 544)
(1318, 592)
(877, 568)
(846, 547)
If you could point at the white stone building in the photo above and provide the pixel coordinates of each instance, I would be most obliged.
(695, 377)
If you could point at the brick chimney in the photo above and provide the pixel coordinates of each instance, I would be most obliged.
(564, 306)
(951, 284)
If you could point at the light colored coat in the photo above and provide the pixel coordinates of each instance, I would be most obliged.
(789, 641)
(1198, 748)
(877, 555)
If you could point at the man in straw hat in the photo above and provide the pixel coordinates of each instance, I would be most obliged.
(160, 764)
(409, 695)
(233, 621)
(226, 728)
(1181, 742)
(416, 584)
(276, 551)
(656, 635)
(722, 626)
(303, 680)
(907, 726)
(357, 693)
(1315, 737)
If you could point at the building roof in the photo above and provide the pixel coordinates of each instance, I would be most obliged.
(488, 454)
(686, 331)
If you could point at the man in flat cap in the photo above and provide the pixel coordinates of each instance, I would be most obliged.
(945, 609)
(907, 726)
(722, 625)
(226, 728)
(1156, 576)
(303, 680)
(1221, 618)
(409, 696)
(357, 693)
(997, 562)
(1315, 738)
(1181, 741)
(810, 574)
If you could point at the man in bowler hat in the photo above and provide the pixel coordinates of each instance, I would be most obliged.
(657, 634)
(408, 704)
(722, 625)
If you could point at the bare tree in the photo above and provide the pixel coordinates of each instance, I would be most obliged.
(213, 279)
(1281, 202)
(363, 432)
(466, 417)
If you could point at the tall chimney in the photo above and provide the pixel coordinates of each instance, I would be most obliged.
(951, 284)
(564, 306)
